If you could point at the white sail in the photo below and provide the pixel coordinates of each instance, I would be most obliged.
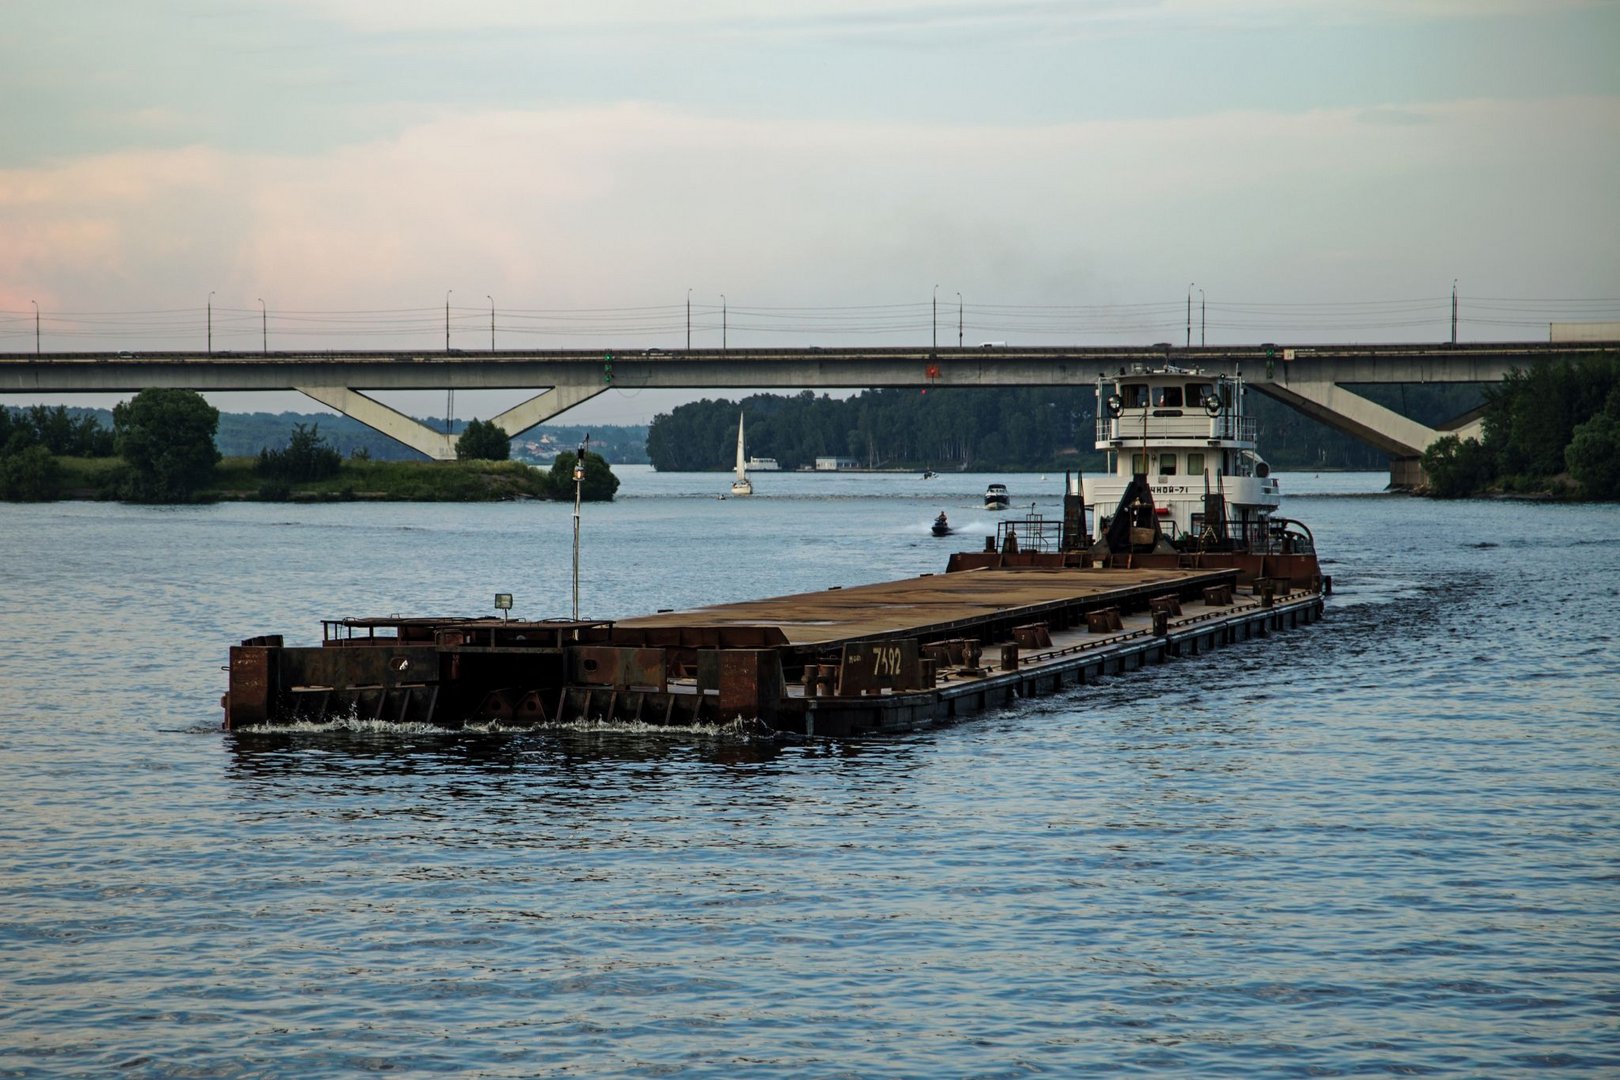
(741, 485)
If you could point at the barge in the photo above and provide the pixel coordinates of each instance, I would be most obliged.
(1040, 609)
(1189, 554)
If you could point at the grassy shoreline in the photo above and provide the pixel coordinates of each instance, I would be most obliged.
(234, 480)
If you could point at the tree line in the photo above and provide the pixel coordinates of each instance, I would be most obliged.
(1009, 428)
(1554, 428)
(165, 439)
(163, 446)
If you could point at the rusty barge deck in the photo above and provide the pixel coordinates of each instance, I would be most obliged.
(844, 661)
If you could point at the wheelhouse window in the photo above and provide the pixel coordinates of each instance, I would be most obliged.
(1167, 397)
(1139, 463)
(1198, 393)
(1195, 464)
(1135, 395)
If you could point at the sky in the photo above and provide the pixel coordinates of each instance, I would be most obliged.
(330, 173)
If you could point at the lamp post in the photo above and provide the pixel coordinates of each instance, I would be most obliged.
(491, 300)
(1202, 323)
(36, 326)
(450, 391)
(264, 328)
(579, 483)
(935, 317)
(688, 320)
(1190, 287)
(722, 322)
(1454, 311)
(210, 324)
(958, 320)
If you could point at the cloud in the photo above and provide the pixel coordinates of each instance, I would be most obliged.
(894, 16)
(631, 205)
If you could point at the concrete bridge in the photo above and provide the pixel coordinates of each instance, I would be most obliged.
(1313, 379)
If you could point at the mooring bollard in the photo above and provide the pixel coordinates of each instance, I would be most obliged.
(1161, 623)
(1009, 658)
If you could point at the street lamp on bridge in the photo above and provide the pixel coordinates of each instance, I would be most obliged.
(722, 322)
(935, 318)
(1190, 287)
(688, 320)
(958, 320)
(264, 328)
(447, 293)
(491, 300)
(210, 324)
(36, 326)
(1202, 324)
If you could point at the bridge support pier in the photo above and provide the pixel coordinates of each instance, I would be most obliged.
(436, 444)
(374, 414)
(1406, 474)
(1403, 439)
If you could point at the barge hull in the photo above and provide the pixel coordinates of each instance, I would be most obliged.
(842, 662)
(1082, 667)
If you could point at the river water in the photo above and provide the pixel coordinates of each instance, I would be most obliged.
(1386, 843)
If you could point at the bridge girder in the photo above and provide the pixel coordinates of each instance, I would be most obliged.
(1308, 378)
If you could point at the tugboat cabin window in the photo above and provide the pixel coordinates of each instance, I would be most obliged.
(1195, 464)
(1167, 464)
(1139, 463)
(1168, 397)
(1136, 395)
(1198, 393)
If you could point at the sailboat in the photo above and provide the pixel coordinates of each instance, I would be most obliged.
(741, 485)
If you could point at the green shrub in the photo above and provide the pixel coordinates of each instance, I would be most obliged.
(1593, 457)
(1457, 468)
(30, 475)
(484, 441)
(167, 436)
(306, 457)
(598, 484)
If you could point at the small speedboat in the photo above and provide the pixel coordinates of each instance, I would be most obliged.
(996, 497)
(942, 527)
(929, 474)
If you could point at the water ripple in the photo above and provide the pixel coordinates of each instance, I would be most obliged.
(1382, 844)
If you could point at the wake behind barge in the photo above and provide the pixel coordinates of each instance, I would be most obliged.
(1002, 624)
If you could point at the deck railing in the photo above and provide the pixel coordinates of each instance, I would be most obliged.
(1175, 425)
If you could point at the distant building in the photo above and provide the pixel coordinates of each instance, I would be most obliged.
(834, 464)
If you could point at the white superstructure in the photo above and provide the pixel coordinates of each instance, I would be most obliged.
(1188, 434)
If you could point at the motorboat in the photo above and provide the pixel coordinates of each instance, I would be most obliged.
(942, 526)
(742, 485)
(996, 497)
(929, 474)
